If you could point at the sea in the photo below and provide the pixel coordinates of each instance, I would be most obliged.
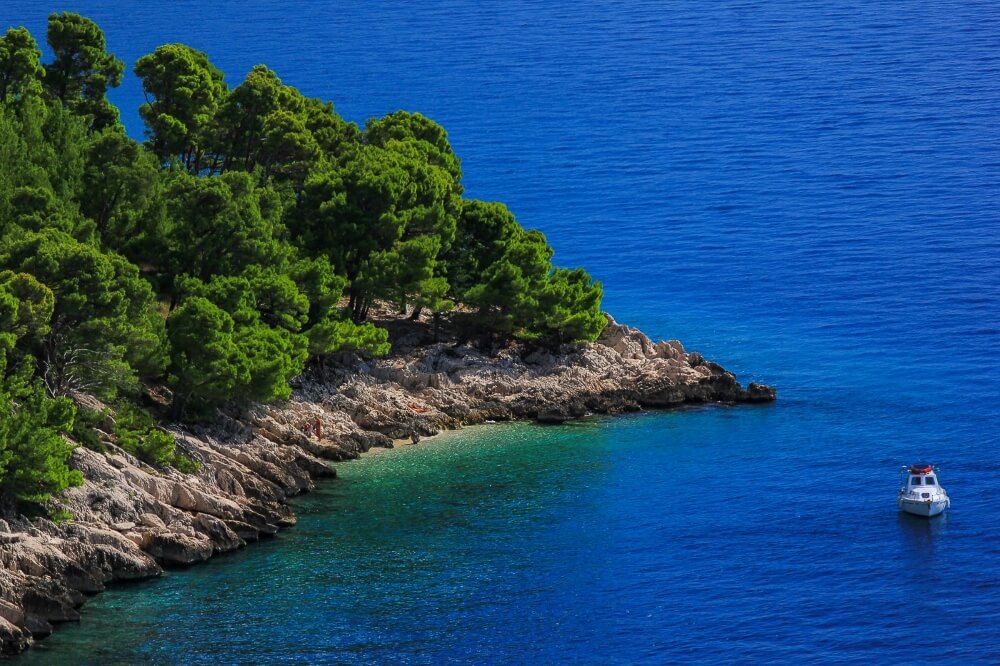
(805, 192)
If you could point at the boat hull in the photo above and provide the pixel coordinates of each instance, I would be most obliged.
(925, 508)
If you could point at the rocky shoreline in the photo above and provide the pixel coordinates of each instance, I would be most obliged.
(130, 520)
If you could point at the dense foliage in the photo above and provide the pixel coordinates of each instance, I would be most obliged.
(254, 230)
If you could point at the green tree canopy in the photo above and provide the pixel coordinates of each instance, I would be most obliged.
(104, 330)
(335, 136)
(243, 114)
(507, 273)
(187, 91)
(82, 70)
(21, 71)
(264, 125)
(383, 216)
(221, 224)
(28, 307)
(316, 278)
(483, 231)
(329, 331)
(245, 218)
(120, 181)
(206, 364)
(352, 211)
(507, 295)
(430, 138)
(241, 357)
(38, 208)
(33, 452)
(335, 336)
(268, 311)
(419, 276)
(570, 308)
(260, 294)
(43, 145)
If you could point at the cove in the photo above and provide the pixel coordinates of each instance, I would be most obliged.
(610, 540)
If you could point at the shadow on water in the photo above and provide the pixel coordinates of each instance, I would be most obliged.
(920, 535)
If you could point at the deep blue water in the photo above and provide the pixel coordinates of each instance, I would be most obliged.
(804, 191)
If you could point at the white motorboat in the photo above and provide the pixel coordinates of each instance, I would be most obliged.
(921, 493)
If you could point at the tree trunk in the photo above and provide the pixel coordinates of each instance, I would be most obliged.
(177, 407)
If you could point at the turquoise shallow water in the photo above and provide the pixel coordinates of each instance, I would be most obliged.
(805, 192)
(696, 535)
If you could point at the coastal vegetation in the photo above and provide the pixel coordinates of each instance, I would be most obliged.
(254, 231)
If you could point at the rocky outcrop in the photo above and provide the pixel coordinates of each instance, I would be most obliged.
(130, 520)
(431, 387)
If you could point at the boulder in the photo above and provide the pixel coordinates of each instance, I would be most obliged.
(760, 393)
(179, 549)
(222, 537)
(152, 520)
(13, 637)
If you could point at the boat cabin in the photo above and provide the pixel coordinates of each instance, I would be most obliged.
(921, 493)
(922, 480)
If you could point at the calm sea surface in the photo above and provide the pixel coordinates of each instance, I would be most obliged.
(804, 191)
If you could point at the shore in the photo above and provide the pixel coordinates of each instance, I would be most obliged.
(130, 520)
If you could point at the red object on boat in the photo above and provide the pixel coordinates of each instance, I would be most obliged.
(920, 469)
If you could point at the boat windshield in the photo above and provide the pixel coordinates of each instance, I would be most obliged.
(929, 481)
(914, 480)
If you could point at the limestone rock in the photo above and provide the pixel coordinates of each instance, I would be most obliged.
(152, 520)
(173, 548)
(14, 637)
